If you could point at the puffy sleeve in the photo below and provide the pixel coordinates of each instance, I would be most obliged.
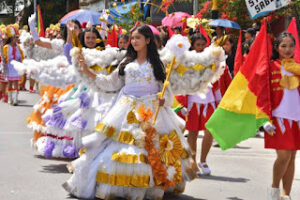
(112, 82)
(57, 45)
(104, 59)
(195, 72)
(67, 48)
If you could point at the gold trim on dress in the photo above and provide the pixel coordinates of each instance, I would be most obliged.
(170, 148)
(123, 180)
(129, 158)
(277, 89)
(276, 72)
(275, 80)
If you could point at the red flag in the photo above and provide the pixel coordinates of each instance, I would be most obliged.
(257, 71)
(120, 30)
(293, 30)
(184, 29)
(203, 32)
(40, 25)
(239, 59)
(112, 38)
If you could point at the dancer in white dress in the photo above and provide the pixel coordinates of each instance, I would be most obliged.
(127, 156)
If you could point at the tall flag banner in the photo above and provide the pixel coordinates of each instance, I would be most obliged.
(294, 31)
(112, 38)
(246, 105)
(203, 32)
(40, 28)
(238, 60)
(257, 8)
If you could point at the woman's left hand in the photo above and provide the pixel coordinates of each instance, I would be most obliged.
(161, 102)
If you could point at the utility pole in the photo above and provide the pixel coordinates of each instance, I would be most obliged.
(195, 6)
(215, 12)
(34, 7)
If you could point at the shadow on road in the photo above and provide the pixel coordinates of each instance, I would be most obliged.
(239, 147)
(179, 197)
(224, 178)
(166, 197)
(24, 105)
(55, 169)
(234, 198)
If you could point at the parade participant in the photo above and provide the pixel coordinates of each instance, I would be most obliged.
(220, 32)
(229, 48)
(3, 79)
(12, 51)
(128, 157)
(43, 50)
(284, 134)
(75, 117)
(200, 109)
(123, 41)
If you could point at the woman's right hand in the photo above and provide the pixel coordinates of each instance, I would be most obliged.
(81, 63)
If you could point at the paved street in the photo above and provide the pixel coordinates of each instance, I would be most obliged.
(242, 173)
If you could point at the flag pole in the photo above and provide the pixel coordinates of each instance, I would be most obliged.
(297, 18)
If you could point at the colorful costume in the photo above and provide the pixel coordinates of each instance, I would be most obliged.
(127, 156)
(285, 93)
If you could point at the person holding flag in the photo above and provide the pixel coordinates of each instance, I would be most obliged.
(264, 93)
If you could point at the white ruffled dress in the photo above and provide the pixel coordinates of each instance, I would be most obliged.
(115, 163)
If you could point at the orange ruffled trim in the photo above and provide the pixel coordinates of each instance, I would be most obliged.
(159, 171)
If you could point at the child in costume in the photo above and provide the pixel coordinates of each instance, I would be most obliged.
(201, 108)
(38, 51)
(284, 134)
(3, 79)
(75, 117)
(127, 156)
(12, 51)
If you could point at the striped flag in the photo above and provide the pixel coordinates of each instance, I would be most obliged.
(246, 104)
(40, 25)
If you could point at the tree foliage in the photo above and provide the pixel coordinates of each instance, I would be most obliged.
(236, 10)
(128, 20)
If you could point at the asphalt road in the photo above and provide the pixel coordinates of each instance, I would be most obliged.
(241, 173)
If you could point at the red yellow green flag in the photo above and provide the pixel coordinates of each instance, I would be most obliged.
(40, 25)
(246, 104)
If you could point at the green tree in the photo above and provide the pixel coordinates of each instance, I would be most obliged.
(128, 20)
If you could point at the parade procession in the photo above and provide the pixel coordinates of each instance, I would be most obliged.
(150, 100)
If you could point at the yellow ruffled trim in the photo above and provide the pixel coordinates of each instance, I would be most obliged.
(96, 68)
(123, 180)
(181, 69)
(291, 66)
(129, 158)
(170, 148)
(111, 132)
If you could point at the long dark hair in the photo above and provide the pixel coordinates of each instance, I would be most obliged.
(93, 30)
(275, 54)
(65, 31)
(152, 55)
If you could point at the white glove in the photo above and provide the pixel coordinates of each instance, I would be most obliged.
(269, 128)
(31, 23)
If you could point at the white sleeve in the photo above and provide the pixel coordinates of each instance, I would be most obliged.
(112, 82)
